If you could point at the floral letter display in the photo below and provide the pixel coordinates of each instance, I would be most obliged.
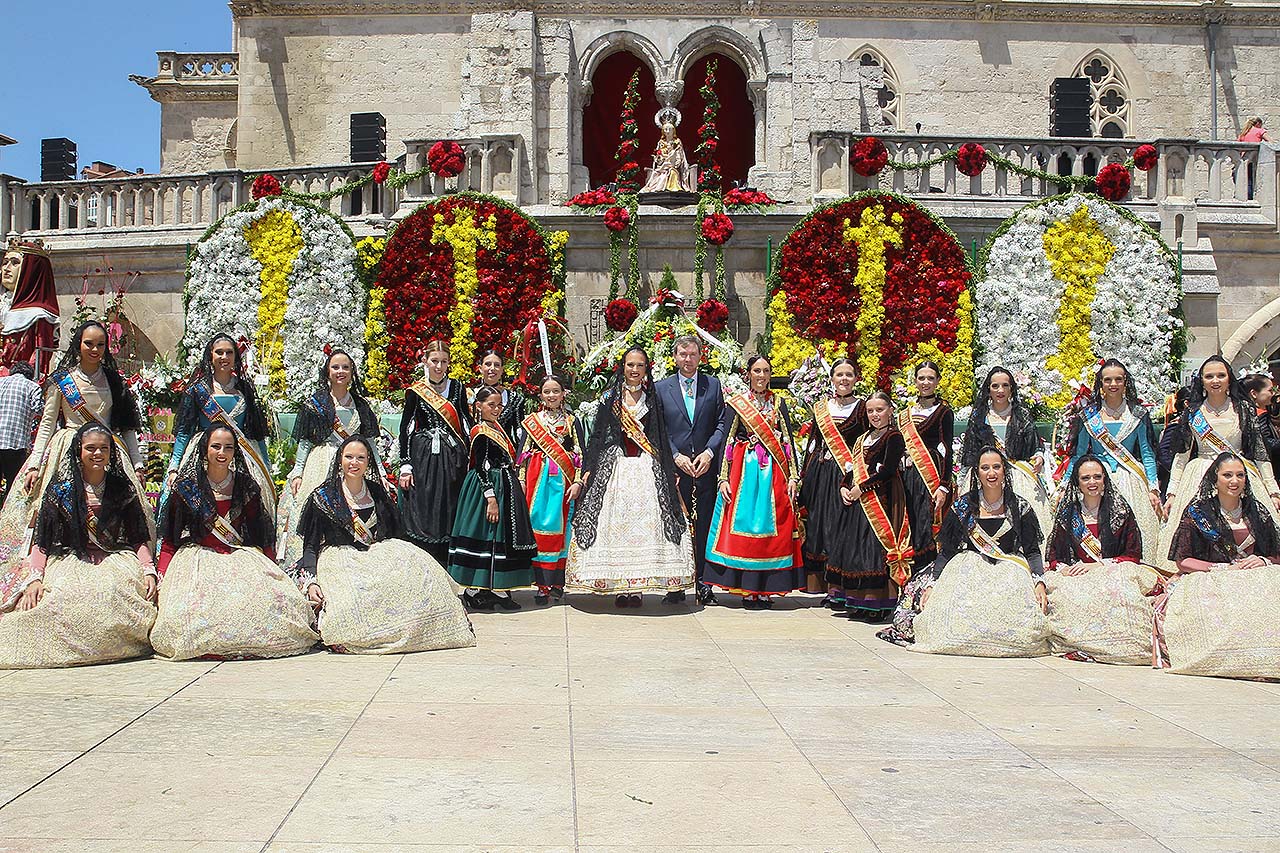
(469, 269)
(1073, 279)
(877, 279)
(280, 273)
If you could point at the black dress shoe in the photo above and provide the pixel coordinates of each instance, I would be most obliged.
(557, 592)
(620, 601)
(637, 601)
(707, 598)
(750, 604)
(506, 602)
(765, 603)
(676, 596)
(476, 602)
(541, 599)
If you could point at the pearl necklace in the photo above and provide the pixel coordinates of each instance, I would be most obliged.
(996, 508)
(1216, 412)
(357, 499)
(1235, 515)
(223, 487)
(634, 389)
(229, 389)
(1114, 414)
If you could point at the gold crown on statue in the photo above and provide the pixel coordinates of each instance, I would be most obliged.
(32, 245)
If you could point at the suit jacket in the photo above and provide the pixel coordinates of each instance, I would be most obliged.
(707, 431)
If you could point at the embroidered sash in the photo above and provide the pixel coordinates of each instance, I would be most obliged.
(755, 421)
(919, 451)
(226, 531)
(549, 445)
(1089, 543)
(1211, 531)
(631, 426)
(1204, 431)
(361, 531)
(214, 412)
(897, 546)
(1023, 466)
(75, 399)
(1114, 445)
(495, 434)
(832, 436)
(989, 547)
(441, 404)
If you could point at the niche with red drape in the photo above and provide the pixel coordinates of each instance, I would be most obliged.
(601, 117)
(736, 121)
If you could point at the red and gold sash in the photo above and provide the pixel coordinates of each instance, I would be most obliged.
(1097, 428)
(360, 529)
(548, 444)
(897, 546)
(832, 436)
(495, 434)
(226, 533)
(755, 421)
(919, 452)
(631, 426)
(443, 407)
(987, 545)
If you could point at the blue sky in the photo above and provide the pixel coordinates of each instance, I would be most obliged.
(64, 71)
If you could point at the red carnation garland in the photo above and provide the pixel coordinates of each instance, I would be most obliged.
(593, 198)
(628, 177)
(1114, 182)
(265, 186)
(1146, 157)
(747, 198)
(717, 228)
(446, 159)
(713, 316)
(381, 171)
(869, 156)
(620, 314)
(971, 159)
(616, 219)
(709, 177)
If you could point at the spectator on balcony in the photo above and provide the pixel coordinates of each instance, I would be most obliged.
(1254, 131)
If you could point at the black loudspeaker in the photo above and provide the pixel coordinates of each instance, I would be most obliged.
(368, 137)
(57, 159)
(1070, 107)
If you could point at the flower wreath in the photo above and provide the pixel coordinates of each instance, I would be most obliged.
(876, 278)
(1070, 279)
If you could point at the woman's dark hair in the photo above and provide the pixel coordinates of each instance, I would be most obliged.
(256, 423)
(482, 393)
(1251, 443)
(1255, 382)
(118, 494)
(357, 385)
(937, 371)
(316, 426)
(841, 361)
(372, 476)
(554, 377)
(757, 357)
(1198, 393)
(1130, 390)
(491, 352)
(1020, 440)
(124, 406)
(1072, 495)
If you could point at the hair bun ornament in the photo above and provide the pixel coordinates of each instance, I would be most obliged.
(328, 350)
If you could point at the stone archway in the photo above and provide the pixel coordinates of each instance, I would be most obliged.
(1257, 335)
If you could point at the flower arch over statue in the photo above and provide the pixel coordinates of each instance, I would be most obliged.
(281, 273)
(878, 279)
(470, 269)
(1072, 279)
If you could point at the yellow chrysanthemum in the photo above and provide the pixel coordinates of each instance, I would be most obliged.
(789, 349)
(466, 238)
(872, 234)
(1078, 252)
(275, 241)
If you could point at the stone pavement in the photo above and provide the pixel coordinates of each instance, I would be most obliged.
(581, 728)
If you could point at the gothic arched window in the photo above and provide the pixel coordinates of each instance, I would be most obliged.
(888, 97)
(1112, 112)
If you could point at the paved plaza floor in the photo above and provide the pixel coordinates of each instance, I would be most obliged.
(579, 728)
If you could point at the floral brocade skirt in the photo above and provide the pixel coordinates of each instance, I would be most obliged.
(1220, 623)
(289, 509)
(237, 605)
(90, 613)
(631, 554)
(982, 609)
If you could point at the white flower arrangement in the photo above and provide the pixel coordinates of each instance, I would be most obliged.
(326, 300)
(1131, 315)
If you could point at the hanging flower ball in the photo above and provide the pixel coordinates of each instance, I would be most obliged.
(381, 171)
(620, 314)
(265, 186)
(446, 159)
(717, 228)
(713, 316)
(617, 219)
(1113, 182)
(869, 156)
(971, 159)
(1146, 157)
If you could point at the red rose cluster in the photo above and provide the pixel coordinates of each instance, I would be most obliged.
(869, 156)
(713, 316)
(616, 219)
(924, 278)
(717, 228)
(419, 279)
(1146, 157)
(1113, 182)
(620, 314)
(446, 159)
(753, 198)
(971, 159)
(592, 198)
(381, 171)
(265, 186)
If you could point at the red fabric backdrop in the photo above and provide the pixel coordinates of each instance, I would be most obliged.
(736, 152)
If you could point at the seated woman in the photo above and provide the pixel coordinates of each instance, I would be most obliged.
(376, 593)
(985, 595)
(1098, 587)
(223, 595)
(86, 594)
(1216, 615)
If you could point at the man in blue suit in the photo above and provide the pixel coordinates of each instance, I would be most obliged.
(693, 405)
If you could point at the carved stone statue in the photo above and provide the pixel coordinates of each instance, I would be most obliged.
(28, 307)
(671, 171)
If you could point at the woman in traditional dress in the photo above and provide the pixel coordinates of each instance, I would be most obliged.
(928, 432)
(223, 596)
(990, 541)
(1217, 615)
(550, 453)
(754, 545)
(630, 533)
(220, 393)
(1001, 420)
(1219, 417)
(87, 593)
(492, 547)
(871, 554)
(336, 412)
(514, 404)
(1116, 428)
(375, 592)
(1094, 524)
(433, 453)
(837, 423)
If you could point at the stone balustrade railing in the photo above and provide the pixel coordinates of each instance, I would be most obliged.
(495, 164)
(197, 66)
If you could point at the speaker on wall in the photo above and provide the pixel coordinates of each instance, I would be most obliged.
(1070, 107)
(368, 137)
(57, 159)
